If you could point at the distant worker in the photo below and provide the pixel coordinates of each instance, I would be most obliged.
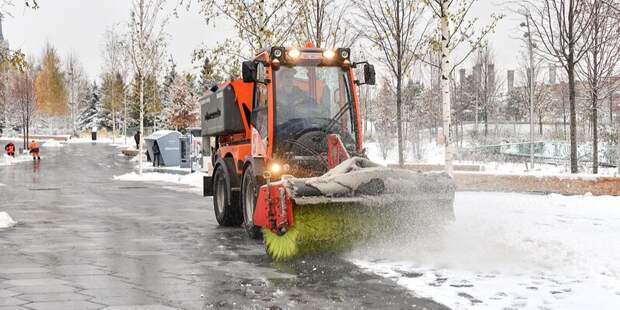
(10, 149)
(156, 155)
(137, 138)
(34, 150)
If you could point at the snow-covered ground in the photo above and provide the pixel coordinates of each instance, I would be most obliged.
(6, 221)
(53, 143)
(512, 251)
(6, 160)
(193, 180)
(431, 153)
(434, 154)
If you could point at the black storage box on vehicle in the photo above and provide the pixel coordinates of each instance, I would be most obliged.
(220, 114)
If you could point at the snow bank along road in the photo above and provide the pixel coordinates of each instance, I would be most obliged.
(86, 241)
(513, 251)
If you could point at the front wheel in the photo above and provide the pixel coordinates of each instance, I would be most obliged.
(249, 194)
(225, 212)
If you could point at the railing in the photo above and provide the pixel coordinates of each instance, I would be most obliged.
(544, 151)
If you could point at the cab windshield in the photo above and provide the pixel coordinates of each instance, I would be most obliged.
(310, 98)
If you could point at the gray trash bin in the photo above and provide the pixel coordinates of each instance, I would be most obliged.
(169, 148)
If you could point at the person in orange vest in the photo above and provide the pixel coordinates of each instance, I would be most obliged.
(34, 150)
(10, 149)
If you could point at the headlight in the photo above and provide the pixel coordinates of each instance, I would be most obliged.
(329, 54)
(294, 53)
(344, 54)
(277, 53)
(275, 168)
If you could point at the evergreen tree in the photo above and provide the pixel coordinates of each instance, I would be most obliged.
(152, 101)
(166, 86)
(112, 95)
(208, 76)
(91, 115)
(183, 112)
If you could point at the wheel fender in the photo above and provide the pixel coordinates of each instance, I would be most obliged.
(232, 180)
(258, 164)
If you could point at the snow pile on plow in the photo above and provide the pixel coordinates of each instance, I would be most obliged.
(358, 201)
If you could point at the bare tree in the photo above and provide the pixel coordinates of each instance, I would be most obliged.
(117, 63)
(146, 31)
(455, 29)
(324, 23)
(25, 103)
(600, 60)
(397, 28)
(77, 89)
(541, 92)
(258, 24)
(563, 29)
(487, 85)
(383, 116)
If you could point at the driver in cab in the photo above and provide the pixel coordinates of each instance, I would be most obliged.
(292, 101)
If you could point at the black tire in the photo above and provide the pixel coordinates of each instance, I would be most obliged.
(249, 193)
(226, 211)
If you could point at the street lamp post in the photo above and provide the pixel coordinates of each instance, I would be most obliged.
(530, 47)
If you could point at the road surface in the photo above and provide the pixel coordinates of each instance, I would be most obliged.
(85, 241)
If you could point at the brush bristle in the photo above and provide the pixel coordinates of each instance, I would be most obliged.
(320, 229)
(281, 247)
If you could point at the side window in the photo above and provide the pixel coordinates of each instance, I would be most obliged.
(260, 108)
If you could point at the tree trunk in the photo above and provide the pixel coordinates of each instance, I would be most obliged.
(141, 124)
(125, 120)
(24, 137)
(540, 125)
(399, 123)
(445, 88)
(573, 114)
(486, 121)
(595, 128)
(27, 125)
(611, 110)
(113, 125)
(564, 116)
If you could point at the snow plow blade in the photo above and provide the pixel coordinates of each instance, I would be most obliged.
(356, 202)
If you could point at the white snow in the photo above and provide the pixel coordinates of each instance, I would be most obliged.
(52, 143)
(6, 160)
(193, 179)
(6, 221)
(512, 251)
(431, 154)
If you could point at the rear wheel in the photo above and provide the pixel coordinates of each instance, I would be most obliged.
(225, 211)
(249, 194)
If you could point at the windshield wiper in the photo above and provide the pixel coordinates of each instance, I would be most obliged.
(338, 115)
(343, 109)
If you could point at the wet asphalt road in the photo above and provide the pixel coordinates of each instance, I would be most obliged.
(85, 241)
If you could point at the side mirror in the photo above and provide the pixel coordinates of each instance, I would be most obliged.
(369, 74)
(248, 70)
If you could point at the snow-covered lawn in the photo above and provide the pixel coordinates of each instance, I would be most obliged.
(6, 160)
(434, 154)
(193, 179)
(512, 251)
(6, 221)
(53, 143)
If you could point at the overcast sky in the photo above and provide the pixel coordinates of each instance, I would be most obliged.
(77, 26)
